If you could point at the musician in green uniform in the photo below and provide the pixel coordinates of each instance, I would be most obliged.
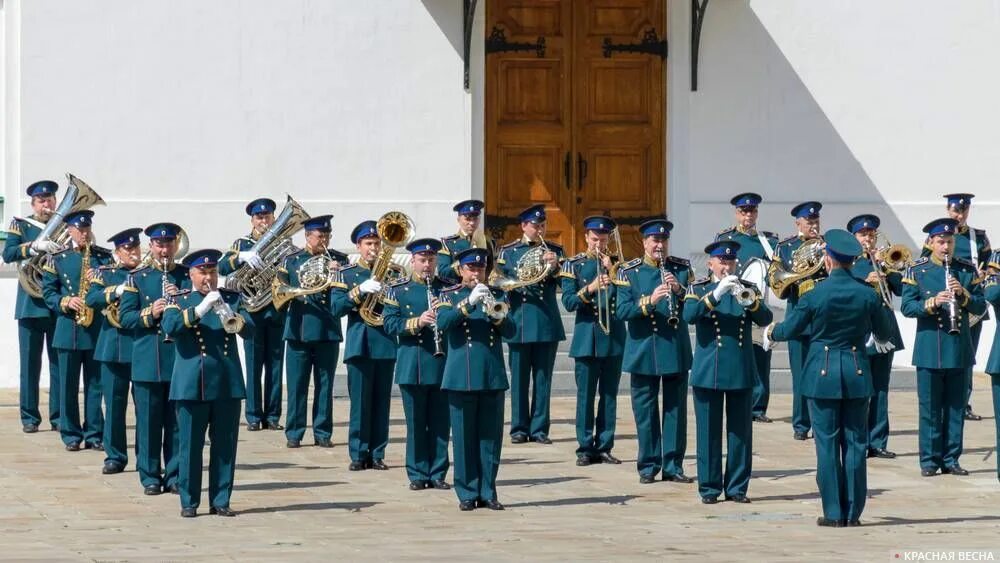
(657, 352)
(473, 319)
(207, 382)
(991, 291)
(370, 353)
(468, 236)
(36, 323)
(313, 335)
(973, 245)
(114, 344)
(807, 226)
(146, 295)
(410, 317)
(64, 287)
(878, 275)
(535, 314)
(941, 292)
(723, 310)
(265, 351)
(840, 312)
(598, 342)
(756, 251)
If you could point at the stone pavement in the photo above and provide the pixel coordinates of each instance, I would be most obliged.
(304, 504)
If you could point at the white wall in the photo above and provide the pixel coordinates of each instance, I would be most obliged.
(186, 110)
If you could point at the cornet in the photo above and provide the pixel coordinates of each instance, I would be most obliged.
(232, 323)
(745, 293)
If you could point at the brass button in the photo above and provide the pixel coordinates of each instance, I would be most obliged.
(822, 372)
(860, 372)
(826, 348)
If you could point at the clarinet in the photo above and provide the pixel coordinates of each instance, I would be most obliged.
(672, 319)
(952, 306)
(164, 282)
(438, 352)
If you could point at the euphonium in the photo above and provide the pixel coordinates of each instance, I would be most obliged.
(85, 316)
(256, 286)
(79, 196)
(395, 229)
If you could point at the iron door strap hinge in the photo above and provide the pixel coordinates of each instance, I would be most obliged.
(497, 43)
(495, 225)
(650, 44)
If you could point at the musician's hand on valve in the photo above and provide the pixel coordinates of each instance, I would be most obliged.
(550, 258)
(45, 246)
(251, 258)
(370, 286)
(943, 298)
(873, 278)
(478, 294)
(211, 298)
(427, 318)
(725, 286)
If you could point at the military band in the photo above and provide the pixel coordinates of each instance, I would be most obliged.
(126, 318)
(36, 323)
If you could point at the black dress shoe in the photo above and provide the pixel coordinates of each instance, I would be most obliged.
(152, 490)
(709, 500)
(54, 427)
(647, 479)
(379, 465)
(112, 467)
(73, 447)
(172, 489)
(494, 504)
(606, 457)
(541, 439)
(189, 512)
(679, 478)
(418, 485)
(275, 426)
(881, 453)
(324, 443)
(467, 505)
(583, 461)
(440, 484)
(518, 439)
(955, 470)
(741, 499)
(853, 523)
(29, 428)
(826, 522)
(928, 472)
(356, 466)
(762, 418)
(253, 426)
(969, 415)
(801, 436)
(222, 511)
(98, 446)
(293, 444)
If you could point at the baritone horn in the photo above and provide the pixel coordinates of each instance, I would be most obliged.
(395, 229)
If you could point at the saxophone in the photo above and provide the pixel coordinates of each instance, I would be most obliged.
(85, 316)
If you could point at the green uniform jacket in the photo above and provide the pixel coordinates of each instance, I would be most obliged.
(533, 309)
(933, 347)
(415, 361)
(20, 235)
(862, 267)
(207, 362)
(589, 340)
(652, 346)
(60, 282)
(475, 352)
(230, 262)
(841, 312)
(991, 290)
(363, 341)
(113, 344)
(152, 359)
(963, 246)
(309, 318)
(750, 246)
(447, 269)
(784, 252)
(723, 354)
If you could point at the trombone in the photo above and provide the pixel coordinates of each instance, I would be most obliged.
(603, 300)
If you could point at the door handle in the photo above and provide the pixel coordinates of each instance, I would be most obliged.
(567, 171)
(581, 170)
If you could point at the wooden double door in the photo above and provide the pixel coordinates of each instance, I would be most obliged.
(574, 114)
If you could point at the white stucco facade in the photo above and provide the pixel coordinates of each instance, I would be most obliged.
(185, 110)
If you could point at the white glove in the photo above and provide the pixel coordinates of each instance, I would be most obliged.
(206, 304)
(478, 293)
(45, 246)
(119, 290)
(250, 257)
(880, 347)
(725, 286)
(370, 286)
(765, 337)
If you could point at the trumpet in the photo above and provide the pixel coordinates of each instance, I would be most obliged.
(745, 292)
(492, 307)
(438, 352)
(952, 305)
(672, 319)
(231, 322)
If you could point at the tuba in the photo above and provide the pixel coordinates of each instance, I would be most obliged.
(807, 260)
(256, 286)
(316, 274)
(79, 196)
(395, 229)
